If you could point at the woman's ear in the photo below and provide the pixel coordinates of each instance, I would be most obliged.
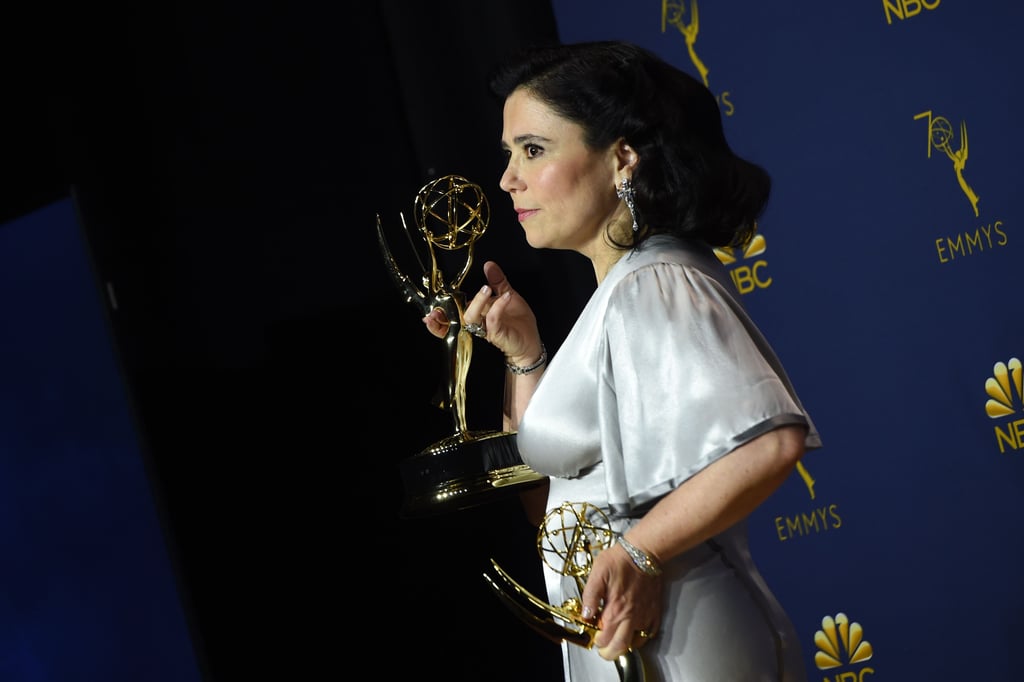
(625, 156)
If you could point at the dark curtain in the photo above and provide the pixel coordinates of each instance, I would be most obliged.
(230, 160)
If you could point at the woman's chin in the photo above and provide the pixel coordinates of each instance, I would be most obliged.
(537, 241)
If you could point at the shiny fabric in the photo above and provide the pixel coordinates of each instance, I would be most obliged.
(663, 374)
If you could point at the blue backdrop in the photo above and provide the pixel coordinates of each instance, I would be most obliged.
(885, 277)
(90, 590)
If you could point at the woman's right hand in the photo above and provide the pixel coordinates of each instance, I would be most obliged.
(505, 315)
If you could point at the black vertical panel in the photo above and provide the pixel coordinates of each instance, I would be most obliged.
(230, 160)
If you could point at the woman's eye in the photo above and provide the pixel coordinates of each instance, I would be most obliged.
(533, 150)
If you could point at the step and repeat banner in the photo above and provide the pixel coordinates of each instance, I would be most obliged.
(887, 274)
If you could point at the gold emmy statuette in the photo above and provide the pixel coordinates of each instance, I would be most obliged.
(568, 540)
(467, 468)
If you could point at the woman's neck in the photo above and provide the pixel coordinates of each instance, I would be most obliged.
(604, 259)
(604, 254)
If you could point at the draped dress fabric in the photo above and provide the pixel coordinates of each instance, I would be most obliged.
(663, 374)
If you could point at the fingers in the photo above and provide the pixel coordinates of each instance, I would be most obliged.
(630, 604)
(485, 301)
(496, 295)
(621, 642)
(436, 322)
(477, 309)
(496, 277)
(641, 637)
(495, 314)
(625, 639)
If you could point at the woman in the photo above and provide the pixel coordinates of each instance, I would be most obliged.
(665, 408)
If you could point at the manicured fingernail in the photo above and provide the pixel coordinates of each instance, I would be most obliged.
(587, 613)
(484, 289)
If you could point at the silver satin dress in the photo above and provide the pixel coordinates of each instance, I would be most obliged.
(663, 374)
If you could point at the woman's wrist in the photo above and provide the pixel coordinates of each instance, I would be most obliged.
(530, 367)
(641, 559)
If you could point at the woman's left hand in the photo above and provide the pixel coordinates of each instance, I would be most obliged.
(632, 603)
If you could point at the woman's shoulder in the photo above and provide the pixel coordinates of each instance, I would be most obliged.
(662, 254)
(672, 248)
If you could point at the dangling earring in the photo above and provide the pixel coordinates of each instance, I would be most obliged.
(628, 194)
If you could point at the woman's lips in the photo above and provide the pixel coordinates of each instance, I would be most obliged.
(525, 213)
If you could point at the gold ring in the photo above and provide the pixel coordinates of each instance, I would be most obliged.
(643, 634)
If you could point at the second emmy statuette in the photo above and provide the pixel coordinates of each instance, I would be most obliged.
(568, 540)
(467, 468)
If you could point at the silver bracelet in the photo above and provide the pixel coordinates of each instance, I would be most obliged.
(527, 369)
(642, 559)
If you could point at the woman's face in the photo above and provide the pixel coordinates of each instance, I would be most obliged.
(562, 191)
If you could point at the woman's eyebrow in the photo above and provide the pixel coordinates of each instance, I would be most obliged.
(523, 139)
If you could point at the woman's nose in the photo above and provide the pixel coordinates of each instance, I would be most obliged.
(509, 179)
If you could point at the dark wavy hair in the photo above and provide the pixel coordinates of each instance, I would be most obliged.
(688, 181)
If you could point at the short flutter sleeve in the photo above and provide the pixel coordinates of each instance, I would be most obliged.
(684, 379)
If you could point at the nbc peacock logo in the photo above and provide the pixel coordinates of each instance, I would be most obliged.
(748, 272)
(840, 643)
(1005, 390)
